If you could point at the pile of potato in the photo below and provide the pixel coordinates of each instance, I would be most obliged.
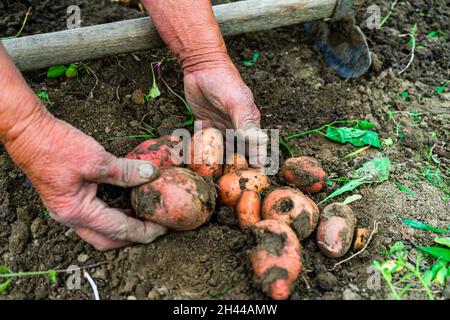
(185, 198)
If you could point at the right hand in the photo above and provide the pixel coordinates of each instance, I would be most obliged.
(65, 166)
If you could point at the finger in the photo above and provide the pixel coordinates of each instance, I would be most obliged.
(116, 225)
(125, 173)
(99, 241)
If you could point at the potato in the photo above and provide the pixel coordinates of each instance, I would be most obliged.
(292, 207)
(305, 173)
(361, 237)
(230, 186)
(159, 151)
(335, 232)
(248, 209)
(276, 260)
(235, 162)
(206, 156)
(178, 199)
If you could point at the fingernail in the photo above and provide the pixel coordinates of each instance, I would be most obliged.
(147, 170)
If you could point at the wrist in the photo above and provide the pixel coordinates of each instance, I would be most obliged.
(205, 58)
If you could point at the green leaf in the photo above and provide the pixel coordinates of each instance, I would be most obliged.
(388, 142)
(154, 91)
(376, 170)
(433, 176)
(56, 72)
(440, 89)
(356, 137)
(422, 226)
(404, 94)
(441, 275)
(43, 95)
(440, 253)
(252, 61)
(404, 189)
(364, 125)
(52, 276)
(437, 33)
(6, 284)
(352, 198)
(443, 241)
(72, 71)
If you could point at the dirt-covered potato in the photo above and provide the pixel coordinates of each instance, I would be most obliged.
(235, 162)
(335, 231)
(231, 186)
(206, 156)
(248, 209)
(179, 199)
(305, 173)
(276, 260)
(292, 207)
(161, 152)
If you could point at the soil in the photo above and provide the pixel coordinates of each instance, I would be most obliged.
(295, 91)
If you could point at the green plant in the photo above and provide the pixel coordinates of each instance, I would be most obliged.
(7, 276)
(252, 61)
(154, 92)
(24, 22)
(402, 276)
(373, 171)
(359, 135)
(188, 109)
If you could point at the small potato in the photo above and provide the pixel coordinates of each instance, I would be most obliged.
(235, 162)
(335, 232)
(161, 152)
(248, 209)
(305, 173)
(276, 260)
(206, 156)
(230, 186)
(292, 207)
(178, 199)
(361, 237)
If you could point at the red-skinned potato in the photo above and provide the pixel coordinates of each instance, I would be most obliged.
(276, 260)
(235, 162)
(161, 152)
(335, 231)
(178, 199)
(206, 156)
(292, 207)
(248, 209)
(305, 173)
(231, 186)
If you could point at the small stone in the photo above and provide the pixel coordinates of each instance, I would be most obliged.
(153, 294)
(348, 294)
(138, 97)
(131, 298)
(212, 282)
(19, 237)
(99, 274)
(82, 258)
(107, 130)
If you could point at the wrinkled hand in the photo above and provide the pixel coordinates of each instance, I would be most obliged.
(65, 166)
(219, 96)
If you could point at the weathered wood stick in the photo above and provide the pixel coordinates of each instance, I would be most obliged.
(50, 49)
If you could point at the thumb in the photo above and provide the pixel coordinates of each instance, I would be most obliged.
(246, 122)
(126, 173)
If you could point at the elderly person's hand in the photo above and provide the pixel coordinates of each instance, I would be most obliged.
(65, 166)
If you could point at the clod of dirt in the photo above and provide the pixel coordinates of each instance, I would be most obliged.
(138, 97)
(19, 237)
(326, 281)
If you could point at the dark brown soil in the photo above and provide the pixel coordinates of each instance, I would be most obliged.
(295, 91)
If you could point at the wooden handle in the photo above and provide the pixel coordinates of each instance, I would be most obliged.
(63, 47)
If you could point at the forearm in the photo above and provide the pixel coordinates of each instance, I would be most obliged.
(190, 30)
(19, 106)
